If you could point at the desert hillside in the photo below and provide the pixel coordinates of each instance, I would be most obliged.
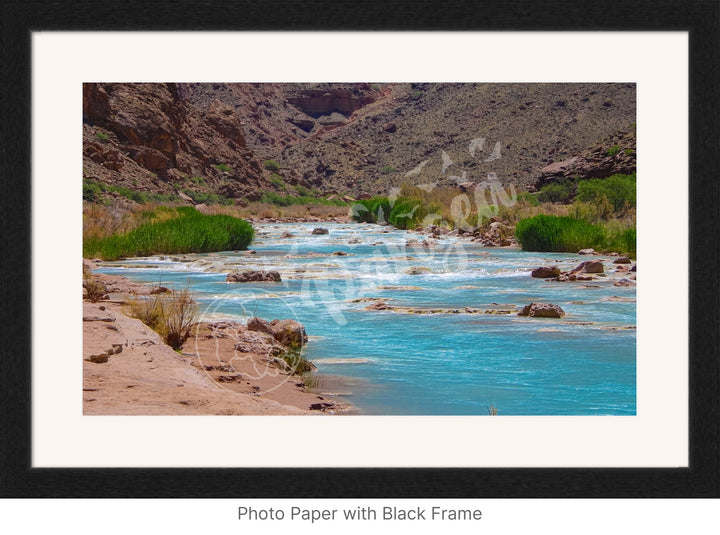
(207, 141)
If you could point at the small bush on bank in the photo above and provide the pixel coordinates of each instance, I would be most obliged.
(172, 315)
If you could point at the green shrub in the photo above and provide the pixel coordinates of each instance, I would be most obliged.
(304, 192)
(612, 151)
(223, 167)
(271, 165)
(206, 198)
(558, 234)
(270, 197)
(92, 190)
(102, 136)
(530, 199)
(620, 190)
(188, 232)
(374, 210)
(628, 152)
(388, 169)
(557, 192)
(199, 180)
(277, 181)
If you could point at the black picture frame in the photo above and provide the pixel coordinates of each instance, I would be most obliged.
(700, 18)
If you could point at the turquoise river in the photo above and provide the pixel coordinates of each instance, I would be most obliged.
(449, 362)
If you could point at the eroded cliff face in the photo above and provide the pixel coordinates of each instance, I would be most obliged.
(148, 138)
(359, 139)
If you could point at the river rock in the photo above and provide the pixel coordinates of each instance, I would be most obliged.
(289, 333)
(622, 260)
(545, 272)
(340, 253)
(589, 266)
(260, 325)
(159, 290)
(542, 310)
(250, 275)
(287, 235)
(320, 231)
(586, 251)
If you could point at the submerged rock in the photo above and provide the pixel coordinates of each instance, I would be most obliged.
(250, 275)
(416, 270)
(542, 310)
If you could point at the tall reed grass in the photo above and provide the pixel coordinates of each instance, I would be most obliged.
(188, 232)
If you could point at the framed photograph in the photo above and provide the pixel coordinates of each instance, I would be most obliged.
(375, 254)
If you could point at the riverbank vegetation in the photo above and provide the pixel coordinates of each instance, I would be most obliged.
(168, 230)
(563, 216)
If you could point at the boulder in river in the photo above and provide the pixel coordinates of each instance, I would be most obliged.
(542, 310)
(250, 275)
(622, 260)
(545, 272)
(589, 266)
(320, 231)
(586, 251)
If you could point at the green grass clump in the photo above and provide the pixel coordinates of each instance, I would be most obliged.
(199, 180)
(388, 169)
(102, 136)
(558, 234)
(188, 232)
(612, 151)
(546, 233)
(271, 165)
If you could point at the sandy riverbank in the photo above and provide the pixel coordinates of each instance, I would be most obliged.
(144, 376)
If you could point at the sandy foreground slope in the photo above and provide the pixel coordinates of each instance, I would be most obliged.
(144, 376)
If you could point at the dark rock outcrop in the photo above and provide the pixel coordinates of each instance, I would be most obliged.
(250, 275)
(545, 272)
(542, 310)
